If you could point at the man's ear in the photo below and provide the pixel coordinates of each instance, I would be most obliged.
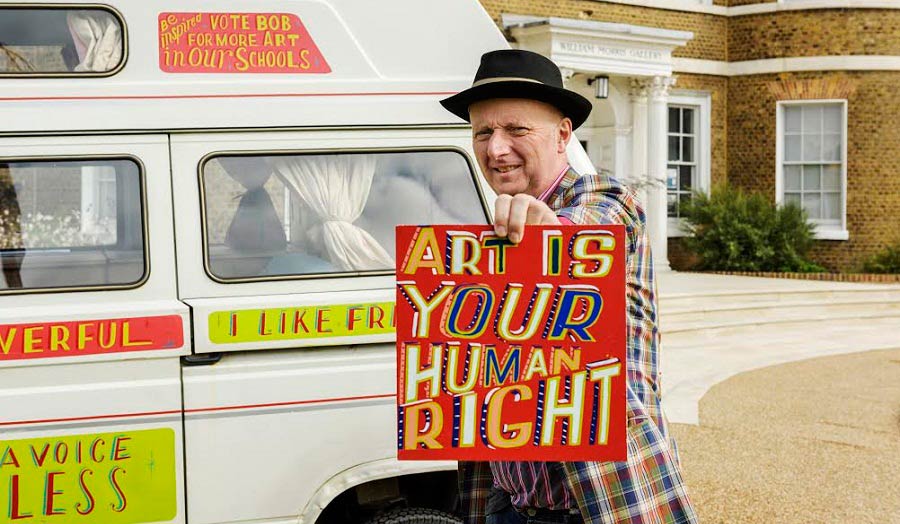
(564, 133)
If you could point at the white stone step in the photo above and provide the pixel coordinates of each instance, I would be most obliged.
(714, 327)
(723, 315)
(680, 302)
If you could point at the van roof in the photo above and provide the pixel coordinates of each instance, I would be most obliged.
(388, 63)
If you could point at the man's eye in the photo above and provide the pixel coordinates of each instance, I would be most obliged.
(482, 135)
(518, 130)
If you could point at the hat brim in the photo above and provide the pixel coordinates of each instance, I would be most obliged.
(570, 103)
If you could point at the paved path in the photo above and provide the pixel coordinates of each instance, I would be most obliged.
(816, 441)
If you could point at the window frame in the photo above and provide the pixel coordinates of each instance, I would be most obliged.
(701, 102)
(823, 231)
(73, 7)
(145, 225)
(204, 233)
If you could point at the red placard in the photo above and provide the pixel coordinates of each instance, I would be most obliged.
(72, 338)
(237, 43)
(511, 351)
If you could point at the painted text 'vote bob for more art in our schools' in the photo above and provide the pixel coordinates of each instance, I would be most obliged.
(511, 351)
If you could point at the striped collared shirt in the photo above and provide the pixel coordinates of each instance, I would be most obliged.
(535, 484)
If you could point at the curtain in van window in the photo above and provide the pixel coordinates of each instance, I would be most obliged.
(336, 188)
(98, 40)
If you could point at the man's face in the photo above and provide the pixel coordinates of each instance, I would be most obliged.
(520, 144)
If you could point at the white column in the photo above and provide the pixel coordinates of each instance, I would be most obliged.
(620, 151)
(638, 176)
(657, 156)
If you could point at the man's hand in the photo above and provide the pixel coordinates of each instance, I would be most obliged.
(511, 213)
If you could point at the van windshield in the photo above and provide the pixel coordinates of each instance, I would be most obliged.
(59, 41)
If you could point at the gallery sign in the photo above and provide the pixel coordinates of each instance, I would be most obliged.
(601, 50)
(511, 351)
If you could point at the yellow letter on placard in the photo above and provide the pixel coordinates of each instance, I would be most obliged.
(424, 254)
(412, 436)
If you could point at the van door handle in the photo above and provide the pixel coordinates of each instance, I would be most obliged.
(202, 359)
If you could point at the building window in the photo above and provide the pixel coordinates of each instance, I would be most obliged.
(689, 155)
(681, 173)
(812, 162)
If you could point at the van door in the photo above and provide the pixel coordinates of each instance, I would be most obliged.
(286, 256)
(91, 332)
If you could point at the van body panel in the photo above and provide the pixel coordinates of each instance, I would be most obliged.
(370, 82)
(292, 414)
(277, 428)
(380, 469)
(190, 150)
(57, 394)
(287, 420)
(76, 411)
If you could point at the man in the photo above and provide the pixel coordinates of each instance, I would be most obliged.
(522, 118)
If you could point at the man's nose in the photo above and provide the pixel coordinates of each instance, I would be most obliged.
(498, 144)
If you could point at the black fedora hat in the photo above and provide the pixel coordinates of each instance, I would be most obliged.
(515, 73)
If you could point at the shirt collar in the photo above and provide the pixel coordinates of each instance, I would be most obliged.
(549, 191)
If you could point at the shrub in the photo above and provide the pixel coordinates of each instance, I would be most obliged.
(886, 261)
(737, 231)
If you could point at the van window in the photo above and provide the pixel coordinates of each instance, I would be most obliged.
(319, 214)
(71, 224)
(60, 41)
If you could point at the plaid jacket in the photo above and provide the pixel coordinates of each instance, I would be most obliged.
(648, 487)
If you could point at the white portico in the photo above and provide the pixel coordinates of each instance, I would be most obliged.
(627, 131)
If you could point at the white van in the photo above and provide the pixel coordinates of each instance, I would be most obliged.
(197, 206)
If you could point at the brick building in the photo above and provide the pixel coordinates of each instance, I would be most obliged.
(795, 98)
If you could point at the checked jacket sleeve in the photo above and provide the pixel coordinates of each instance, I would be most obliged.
(475, 481)
(647, 488)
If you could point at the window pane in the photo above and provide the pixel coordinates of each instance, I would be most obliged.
(687, 149)
(812, 119)
(792, 119)
(687, 178)
(672, 177)
(673, 148)
(792, 198)
(831, 178)
(672, 204)
(792, 148)
(792, 178)
(831, 147)
(812, 203)
(55, 40)
(687, 121)
(832, 116)
(812, 147)
(831, 206)
(811, 178)
(341, 208)
(673, 119)
(683, 200)
(67, 223)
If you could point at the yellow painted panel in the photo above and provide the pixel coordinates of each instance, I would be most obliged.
(125, 477)
(304, 322)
